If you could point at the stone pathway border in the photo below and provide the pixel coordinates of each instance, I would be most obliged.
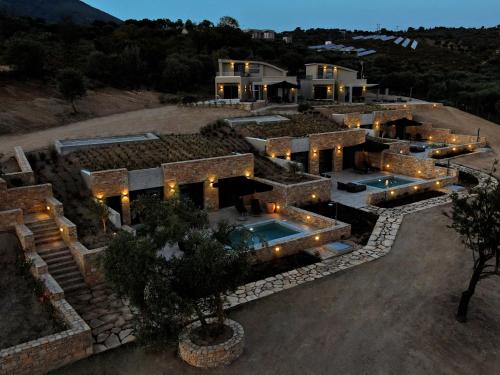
(380, 243)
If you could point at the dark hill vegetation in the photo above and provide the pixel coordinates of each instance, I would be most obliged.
(54, 11)
(460, 67)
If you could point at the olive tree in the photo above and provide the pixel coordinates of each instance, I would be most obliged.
(168, 292)
(477, 219)
(71, 85)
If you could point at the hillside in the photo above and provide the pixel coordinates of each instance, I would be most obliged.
(54, 11)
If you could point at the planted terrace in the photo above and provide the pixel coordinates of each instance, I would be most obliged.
(298, 126)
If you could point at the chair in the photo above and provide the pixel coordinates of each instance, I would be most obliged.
(255, 207)
(355, 188)
(341, 186)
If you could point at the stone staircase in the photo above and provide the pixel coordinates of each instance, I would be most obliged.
(53, 250)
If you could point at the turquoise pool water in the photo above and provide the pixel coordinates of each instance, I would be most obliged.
(386, 182)
(266, 232)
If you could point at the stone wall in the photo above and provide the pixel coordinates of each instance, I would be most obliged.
(296, 194)
(293, 246)
(336, 141)
(354, 120)
(408, 165)
(397, 192)
(279, 146)
(9, 219)
(208, 171)
(109, 183)
(28, 198)
(88, 262)
(25, 173)
(51, 352)
(309, 218)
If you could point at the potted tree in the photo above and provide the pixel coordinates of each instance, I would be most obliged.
(181, 298)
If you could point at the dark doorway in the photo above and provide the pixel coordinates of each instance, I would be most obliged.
(303, 158)
(193, 192)
(230, 91)
(228, 196)
(325, 161)
(348, 157)
(320, 92)
(115, 203)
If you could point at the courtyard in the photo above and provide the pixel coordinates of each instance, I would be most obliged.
(391, 316)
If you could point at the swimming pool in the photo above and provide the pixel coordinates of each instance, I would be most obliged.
(268, 232)
(386, 182)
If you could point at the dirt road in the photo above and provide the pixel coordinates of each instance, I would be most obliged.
(167, 119)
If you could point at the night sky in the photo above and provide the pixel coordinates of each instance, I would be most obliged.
(289, 14)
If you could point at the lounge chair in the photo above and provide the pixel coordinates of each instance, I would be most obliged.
(355, 188)
(255, 207)
(341, 186)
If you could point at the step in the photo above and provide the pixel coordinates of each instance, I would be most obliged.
(47, 239)
(41, 224)
(56, 245)
(61, 264)
(61, 270)
(67, 276)
(58, 256)
(74, 289)
(44, 231)
(68, 283)
(52, 250)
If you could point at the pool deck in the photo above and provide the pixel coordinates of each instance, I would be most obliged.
(358, 200)
(231, 215)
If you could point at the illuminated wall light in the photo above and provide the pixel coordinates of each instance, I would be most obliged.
(438, 183)
(415, 187)
(248, 174)
(454, 140)
(316, 238)
(313, 196)
(278, 207)
(438, 152)
(434, 105)
(392, 192)
(124, 193)
(308, 217)
(277, 249)
(430, 137)
(387, 166)
(419, 172)
(48, 208)
(454, 149)
(273, 155)
(61, 229)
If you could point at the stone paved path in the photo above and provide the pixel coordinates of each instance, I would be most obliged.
(109, 317)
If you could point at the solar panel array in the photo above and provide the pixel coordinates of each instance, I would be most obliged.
(342, 48)
(404, 42)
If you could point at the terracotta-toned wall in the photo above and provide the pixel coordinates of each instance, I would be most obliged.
(279, 146)
(296, 194)
(408, 165)
(208, 171)
(334, 140)
(28, 198)
(109, 183)
(9, 219)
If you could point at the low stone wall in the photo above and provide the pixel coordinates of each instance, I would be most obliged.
(295, 245)
(25, 173)
(9, 219)
(27, 198)
(434, 184)
(281, 146)
(354, 120)
(212, 356)
(51, 352)
(408, 165)
(296, 194)
(309, 218)
(454, 150)
(88, 262)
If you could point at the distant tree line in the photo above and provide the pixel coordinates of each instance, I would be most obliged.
(460, 67)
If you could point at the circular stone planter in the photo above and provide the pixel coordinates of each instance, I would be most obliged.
(214, 355)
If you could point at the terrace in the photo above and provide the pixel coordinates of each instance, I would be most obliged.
(298, 126)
